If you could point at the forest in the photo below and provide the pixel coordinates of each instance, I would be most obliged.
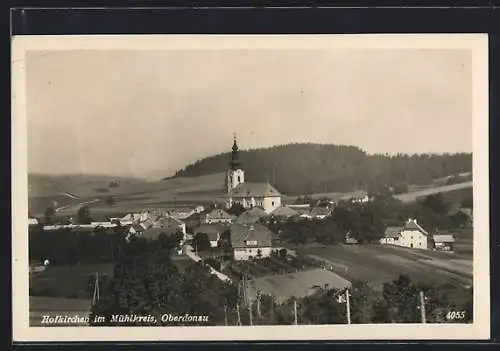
(307, 168)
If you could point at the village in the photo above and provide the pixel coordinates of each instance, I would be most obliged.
(243, 242)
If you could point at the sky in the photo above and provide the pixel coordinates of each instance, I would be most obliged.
(149, 113)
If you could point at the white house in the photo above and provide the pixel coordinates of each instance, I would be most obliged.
(411, 235)
(251, 240)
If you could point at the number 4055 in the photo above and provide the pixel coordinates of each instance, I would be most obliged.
(454, 315)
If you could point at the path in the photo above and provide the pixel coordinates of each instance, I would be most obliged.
(189, 252)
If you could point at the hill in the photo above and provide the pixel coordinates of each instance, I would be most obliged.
(306, 168)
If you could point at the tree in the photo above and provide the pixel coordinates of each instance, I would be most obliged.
(459, 220)
(236, 209)
(83, 215)
(49, 216)
(201, 242)
(436, 203)
(401, 301)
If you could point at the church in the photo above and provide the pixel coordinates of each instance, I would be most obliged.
(248, 194)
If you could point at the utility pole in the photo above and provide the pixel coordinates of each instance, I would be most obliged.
(295, 312)
(422, 307)
(250, 313)
(238, 305)
(225, 315)
(95, 297)
(259, 315)
(348, 306)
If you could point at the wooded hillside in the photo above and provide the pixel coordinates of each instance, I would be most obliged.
(313, 168)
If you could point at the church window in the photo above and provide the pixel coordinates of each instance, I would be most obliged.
(239, 179)
(272, 203)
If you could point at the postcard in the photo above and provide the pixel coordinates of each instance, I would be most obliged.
(250, 187)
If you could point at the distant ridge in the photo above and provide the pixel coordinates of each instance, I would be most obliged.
(306, 168)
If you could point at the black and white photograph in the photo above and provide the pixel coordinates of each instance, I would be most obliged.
(298, 187)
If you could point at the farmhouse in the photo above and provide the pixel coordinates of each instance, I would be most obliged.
(213, 231)
(248, 194)
(251, 240)
(443, 241)
(218, 216)
(411, 235)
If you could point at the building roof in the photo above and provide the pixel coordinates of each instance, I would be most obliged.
(392, 232)
(252, 215)
(167, 222)
(255, 190)
(320, 211)
(212, 230)
(240, 233)
(219, 213)
(443, 238)
(284, 212)
(411, 224)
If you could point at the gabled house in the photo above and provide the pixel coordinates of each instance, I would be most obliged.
(218, 216)
(411, 235)
(251, 240)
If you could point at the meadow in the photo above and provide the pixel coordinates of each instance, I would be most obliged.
(377, 264)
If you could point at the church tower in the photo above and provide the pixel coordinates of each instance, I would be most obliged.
(235, 173)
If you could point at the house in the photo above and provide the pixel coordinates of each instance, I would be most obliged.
(251, 240)
(390, 236)
(199, 209)
(252, 215)
(181, 213)
(304, 213)
(284, 212)
(218, 215)
(248, 194)
(170, 225)
(350, 240)
(443, 241)
(319, 212)
(213, 231)
(32, 221)
(411, 235)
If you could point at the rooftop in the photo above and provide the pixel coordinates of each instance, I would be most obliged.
(255, 190)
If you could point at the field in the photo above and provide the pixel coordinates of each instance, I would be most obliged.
(67, 281)
(131, 195)
(382, 263)
(414, 195)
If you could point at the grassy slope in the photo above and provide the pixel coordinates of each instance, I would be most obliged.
(378, 264)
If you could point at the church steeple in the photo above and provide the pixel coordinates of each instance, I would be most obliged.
(235, 162)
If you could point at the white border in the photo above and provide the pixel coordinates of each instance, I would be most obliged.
(476, 43)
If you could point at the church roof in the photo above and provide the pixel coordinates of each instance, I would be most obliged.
(254, 190)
